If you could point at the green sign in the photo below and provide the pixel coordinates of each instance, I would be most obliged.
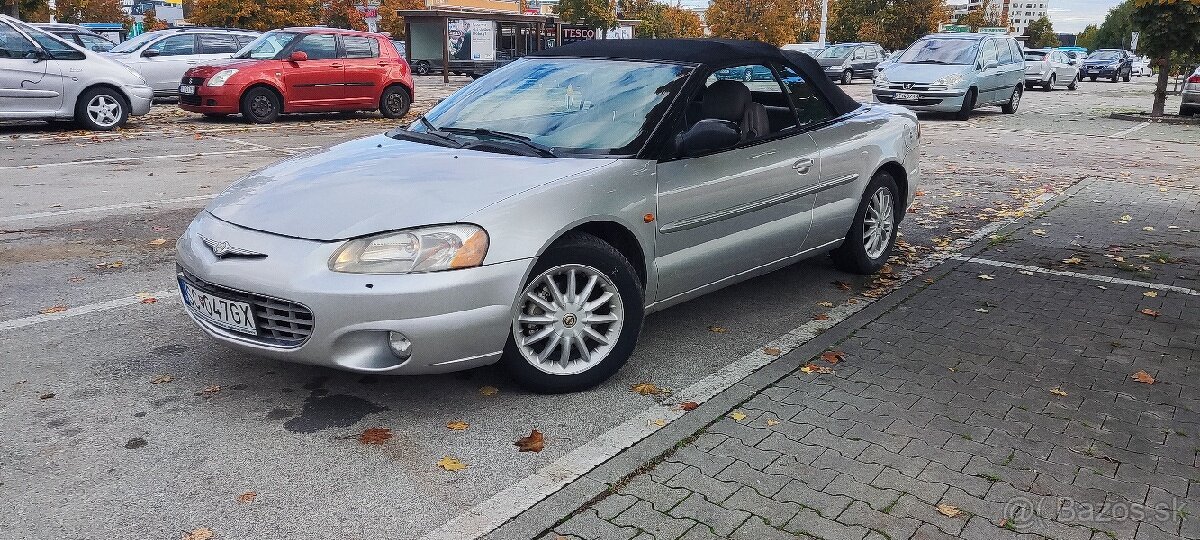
(993, 30)
(956, 28)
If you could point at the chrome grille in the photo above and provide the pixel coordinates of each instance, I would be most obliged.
(280, 323)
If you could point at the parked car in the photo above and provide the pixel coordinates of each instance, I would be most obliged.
(888, 60)
(44, 77)
(1111, 64)
(746, 73)
(1048, 68)
(163, 56)
(652, 182)
(955, 72)
(848, 61)
(810, 48)
(1075, 57)
(1141, 67)
(1191, 95)
(78, 35)
(302, 70)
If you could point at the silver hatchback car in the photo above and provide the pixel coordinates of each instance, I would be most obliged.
(537, 215)
(43, 77)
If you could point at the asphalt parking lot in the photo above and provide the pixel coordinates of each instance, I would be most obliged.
(96, 448)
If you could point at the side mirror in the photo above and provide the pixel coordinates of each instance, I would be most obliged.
(38, 55)
(150, 53)
(706, 137)
(298, 56)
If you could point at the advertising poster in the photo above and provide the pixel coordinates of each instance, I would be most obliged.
(471, 39)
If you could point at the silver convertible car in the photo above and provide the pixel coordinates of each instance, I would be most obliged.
(537, 215)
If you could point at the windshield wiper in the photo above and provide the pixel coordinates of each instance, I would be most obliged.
(929, 62)
(543, 150)
(431, 135)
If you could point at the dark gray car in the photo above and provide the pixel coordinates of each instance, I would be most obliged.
(845, 62)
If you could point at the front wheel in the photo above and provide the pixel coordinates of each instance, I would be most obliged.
(1049, 86)
(847, 77)
(1128, 75)
(870, 240)
(1074, 83)
(968, 105)
(261, 105)
(394, 103)
(1093, 78)
(577, 319)
(1014, 102)
(101, 109)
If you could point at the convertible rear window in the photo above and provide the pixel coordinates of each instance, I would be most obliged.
(572, 105)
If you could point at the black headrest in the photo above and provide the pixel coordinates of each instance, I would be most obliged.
(726, 100)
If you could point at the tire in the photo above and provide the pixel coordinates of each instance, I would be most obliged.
(1014, 102)
(854, 255)
(1186, 111)
(1074, 83)
(395, 102)
(101, 109)
(747, 76)
(1128, 76)
(1049, 86)
(1029, 86)
(261, 105)
(968, 105)
(589, 257)
(1116, 75)
(422, 68)
(1093, 78)
(847, 77)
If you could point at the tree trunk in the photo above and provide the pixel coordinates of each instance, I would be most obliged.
(1160, 89)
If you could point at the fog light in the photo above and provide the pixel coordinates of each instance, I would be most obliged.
(400, 345)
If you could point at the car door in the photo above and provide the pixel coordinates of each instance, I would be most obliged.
(858, 61)
(318, 82)
(30, 83)
(991, 78)
(164, 62)
(365, 70)
(872, 60)
(731, 212)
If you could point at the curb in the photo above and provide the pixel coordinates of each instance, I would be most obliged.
(596, 484)
(1165, 119)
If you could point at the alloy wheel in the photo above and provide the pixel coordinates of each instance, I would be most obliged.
(878, 223)
(568, 320)
(104, 110)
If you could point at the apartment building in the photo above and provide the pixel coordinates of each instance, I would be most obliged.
(1019, 12)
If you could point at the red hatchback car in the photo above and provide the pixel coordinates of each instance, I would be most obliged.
(302, 70)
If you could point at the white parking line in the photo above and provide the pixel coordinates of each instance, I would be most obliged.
(1125, 132)
(105, 208)
(13, 324)
(1092, 277)
(139, 158)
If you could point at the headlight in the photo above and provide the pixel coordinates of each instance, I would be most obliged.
(951, 80)
(220, 78)
(428, 249)
(882, 79)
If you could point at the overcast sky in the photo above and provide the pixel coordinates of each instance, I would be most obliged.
(1067, 15)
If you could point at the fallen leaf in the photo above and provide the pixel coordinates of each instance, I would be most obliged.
(842, 285)
(717, 329)
(1039, 232)
(162, 379)
(1126, 218)
(647, 389)
(375, 435)
(1025, 272)
(821, 317)
(1073, 260)
(114, 264)
(833, 357)
(451, 464)
(1058, 391)
(247, 497)
(457, 425)
(53, 309)
(532, 442)
(48, 395)
(983, 310)
(948, 510)
(656, 422)
(1150, 294)
(986, 277)
(489, 391)
(772, 351)
(825, 304)
(197, 136)
(202, 533)
(209, 390)
(772, 422)
(1142, 377)
(157, 241)
(737, 416)
(1150, 312)
(688, 406)
(148, 300)
(813, 368)
(1149, 229)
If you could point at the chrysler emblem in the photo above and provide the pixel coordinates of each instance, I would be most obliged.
(221, 249)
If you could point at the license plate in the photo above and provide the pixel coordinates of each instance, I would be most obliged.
(228, 314)
(907, 97)
(1093, 71)
(187, 89)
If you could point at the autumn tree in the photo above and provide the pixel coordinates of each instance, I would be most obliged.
(26, 10)
(81, 11)
(989, 14)
(1168, 28)
(848, 17)
(151, 22)
(902, 22)
(255, 14)
(342, 14)
(590, 13)
(774, 21)
(1087, 38)
(660, 20)
(390, 22)
(1041, 34)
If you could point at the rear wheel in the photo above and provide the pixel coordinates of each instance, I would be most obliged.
(968, 105)
(261, 105)
(1128, 75)
(1049, 86)
(1074, 83)
(577, 319)
(847, 77)
(1093, 78)
(422, 68)
(1014, 102)
(869, 242)
(395, 102)
(748, 75)
(101, 109)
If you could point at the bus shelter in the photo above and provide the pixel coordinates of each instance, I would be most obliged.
(472, 42)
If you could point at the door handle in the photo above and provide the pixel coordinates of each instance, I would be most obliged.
(383, 63)
(803, 166)
(335, 65)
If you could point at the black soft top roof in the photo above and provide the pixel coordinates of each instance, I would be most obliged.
(713, 53)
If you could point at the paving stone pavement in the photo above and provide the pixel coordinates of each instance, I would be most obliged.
(1004, 394)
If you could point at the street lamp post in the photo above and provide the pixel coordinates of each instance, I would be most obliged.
(824, 21)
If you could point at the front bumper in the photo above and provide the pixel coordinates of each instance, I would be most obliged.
(455, 320)
(933, 101)
(1191, 97)
(1099, 71)
(213, 100)
(140, 99)
(1037, 78)
(835, 72)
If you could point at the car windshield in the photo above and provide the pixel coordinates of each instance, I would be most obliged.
(268, 45)
(562, 105)
(940, 51)
(837, 51)
(1105, 55)
(135, 43)
(1035, 55)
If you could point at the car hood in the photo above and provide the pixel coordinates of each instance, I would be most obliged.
(214, 66)
(922, 73)
(378, 184)
(830, 62)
